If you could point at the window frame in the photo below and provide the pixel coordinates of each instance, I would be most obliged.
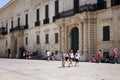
(56, 38)
(37, 39)
(106, 29)
(46, 38)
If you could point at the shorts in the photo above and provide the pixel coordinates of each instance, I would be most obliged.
(66, 58)
(76, 60)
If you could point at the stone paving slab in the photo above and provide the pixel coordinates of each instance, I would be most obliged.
(16, 69)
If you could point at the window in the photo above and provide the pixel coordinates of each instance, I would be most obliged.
(56, 7)
(37, 15)
(46, 20)
(18, 22)
(46, 11)
(38, 39)
(56, 37)
(37, 23)
(26, 40)
(115, 2)
(106, 33)
(26, 19)
(76, 6)
(46, 38)
(101, 4)
(6, 27)
(11, 24)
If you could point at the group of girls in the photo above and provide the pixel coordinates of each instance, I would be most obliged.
(68, 58)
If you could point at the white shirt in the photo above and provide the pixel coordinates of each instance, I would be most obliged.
(71, 55)
(48, 53)
(77, 55)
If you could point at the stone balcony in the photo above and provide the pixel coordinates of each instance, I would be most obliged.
(18, 28)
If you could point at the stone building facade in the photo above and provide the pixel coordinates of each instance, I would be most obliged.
(84, 25)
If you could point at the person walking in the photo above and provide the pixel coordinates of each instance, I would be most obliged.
(63, 58)
(99, 56)
(67, 57)
(115, 55)
(71, 58)
(77, 57)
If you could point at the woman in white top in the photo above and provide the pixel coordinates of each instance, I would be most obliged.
(71, 58)
(67, 57)
(77, 57)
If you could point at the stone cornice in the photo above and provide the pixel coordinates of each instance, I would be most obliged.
(27, 10)
(7, 5)
(37, 32)
(106, 20)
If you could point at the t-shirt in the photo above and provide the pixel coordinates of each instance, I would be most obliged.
(98, 54)
(77, 56)
(71, 55)
(48, 53)
(115, 53)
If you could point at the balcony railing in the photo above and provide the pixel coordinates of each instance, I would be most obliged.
(84, 8)
(46, 21)
(3, 31)
(87, 7)
(19, 28)
(37, 23)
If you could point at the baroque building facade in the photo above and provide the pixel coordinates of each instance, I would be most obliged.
(84, 25)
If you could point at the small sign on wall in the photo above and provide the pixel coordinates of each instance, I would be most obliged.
(51, 47)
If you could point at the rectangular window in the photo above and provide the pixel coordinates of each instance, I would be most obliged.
(46, 38)
(37, 39)
(26, 40)
(76, 6)
(46, 11)
(106, 33)
(26, 19)
(56, 7)
(56, 37)
(101, 4)
(18, 22)
(37, 15)
(115, 2)
(11, 24)
(6, 27)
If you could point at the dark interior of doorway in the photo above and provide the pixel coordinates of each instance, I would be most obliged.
(75, 39)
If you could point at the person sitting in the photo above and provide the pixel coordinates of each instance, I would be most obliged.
(92, 59)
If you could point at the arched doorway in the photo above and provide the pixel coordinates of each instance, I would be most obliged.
(75, 39)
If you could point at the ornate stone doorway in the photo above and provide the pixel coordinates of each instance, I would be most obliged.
(75, 39)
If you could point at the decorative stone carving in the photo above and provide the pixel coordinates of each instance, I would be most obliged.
(18, 14)
(46, 31)
(26, 10)
(55, 28)
(37, 32)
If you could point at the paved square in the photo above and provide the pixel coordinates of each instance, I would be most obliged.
(16, 69)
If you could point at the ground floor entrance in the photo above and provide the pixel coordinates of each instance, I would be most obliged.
(75, 39)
